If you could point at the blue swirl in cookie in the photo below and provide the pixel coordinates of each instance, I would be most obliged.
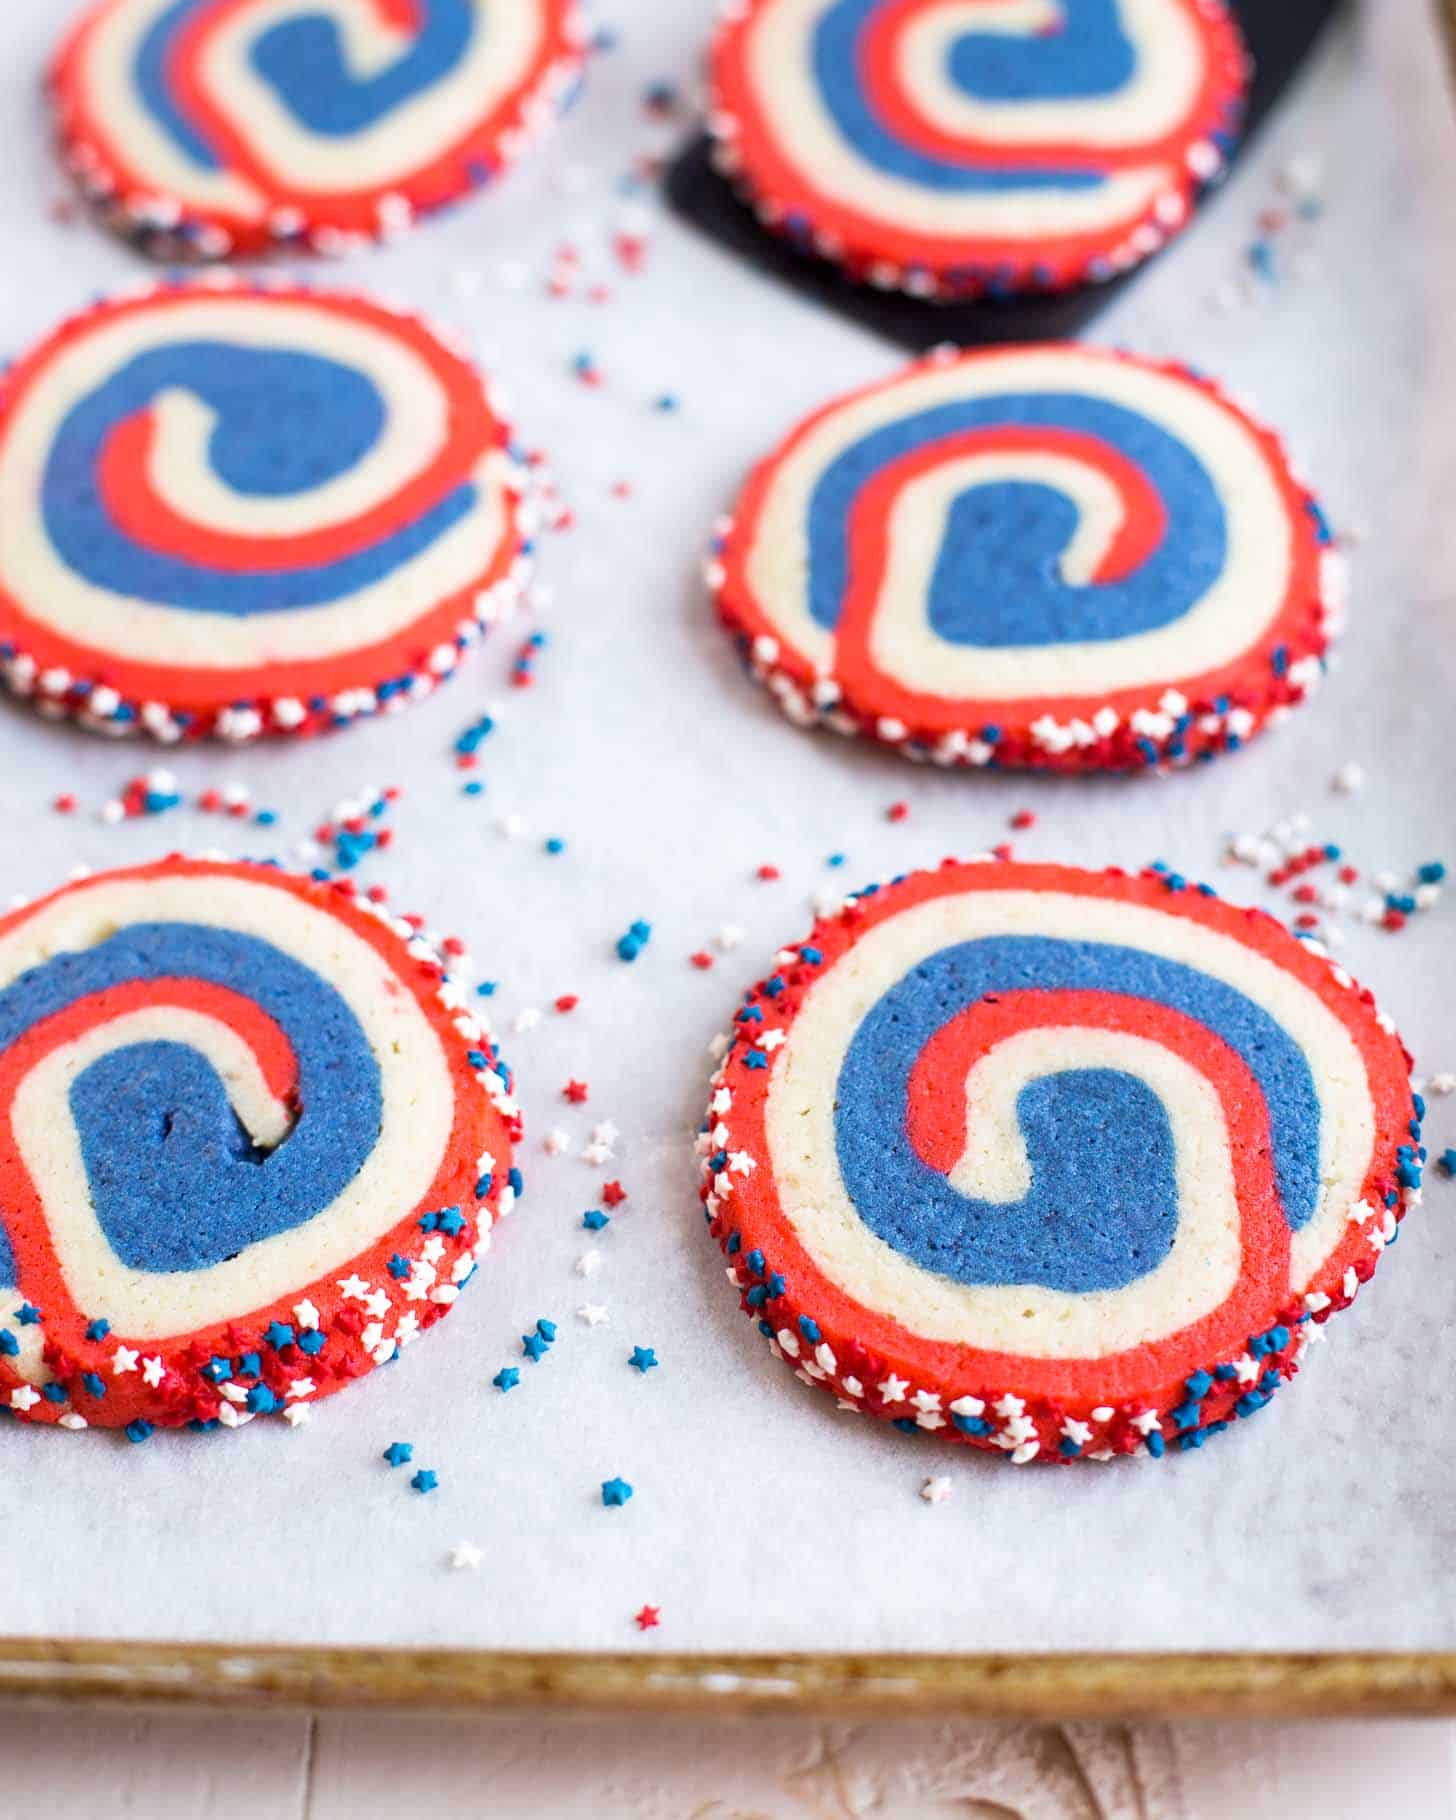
(286, 421)
(175, 1181)
(1102, 1210)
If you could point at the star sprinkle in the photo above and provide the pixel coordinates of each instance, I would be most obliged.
(592, 1313)
(613, 1193)
(615, 1493)
(936, 1491)
(465, 1557)
(576, 1092)
(507, 1378)
(643, 1359)
(424, 1481)
(648, 1618)
(399, 1453)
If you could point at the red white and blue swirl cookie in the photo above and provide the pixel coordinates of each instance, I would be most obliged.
(230, 127)
(1065, 1163)
(956, 148)
(252, 1144)
(238, 511)
(1054, 556)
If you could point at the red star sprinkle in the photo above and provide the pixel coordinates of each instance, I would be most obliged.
(897, 812)
(1024, 818)
(575, 1091)
(1003, 852)
(567, 1002)
(767, 874)
(648, 1618)
(613, 1193)
(701, 960)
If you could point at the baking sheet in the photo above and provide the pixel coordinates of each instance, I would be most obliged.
(763, 1519)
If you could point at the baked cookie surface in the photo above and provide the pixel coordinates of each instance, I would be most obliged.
(215, 128)
(1056, 1162)
(1052, 556)
(955, 150)
(235, 510)
(253, 1145)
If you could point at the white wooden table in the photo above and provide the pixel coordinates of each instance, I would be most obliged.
(73, 1766)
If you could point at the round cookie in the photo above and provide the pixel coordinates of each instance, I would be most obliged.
(253, 1144)
(1067, 1164)
(954, 151)
(217, 128)
(1052, 556)
(233, 510)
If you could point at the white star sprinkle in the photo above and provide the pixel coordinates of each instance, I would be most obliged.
(24, 1398)
(605, 1133)
(124, 1360)
(353, 1288)
(296, 1414)
(893, 1389)
(592, 1313)
(465, 1557)
(305, 1314)
(152, 1370)
(936, 1491)
(588, 1263)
